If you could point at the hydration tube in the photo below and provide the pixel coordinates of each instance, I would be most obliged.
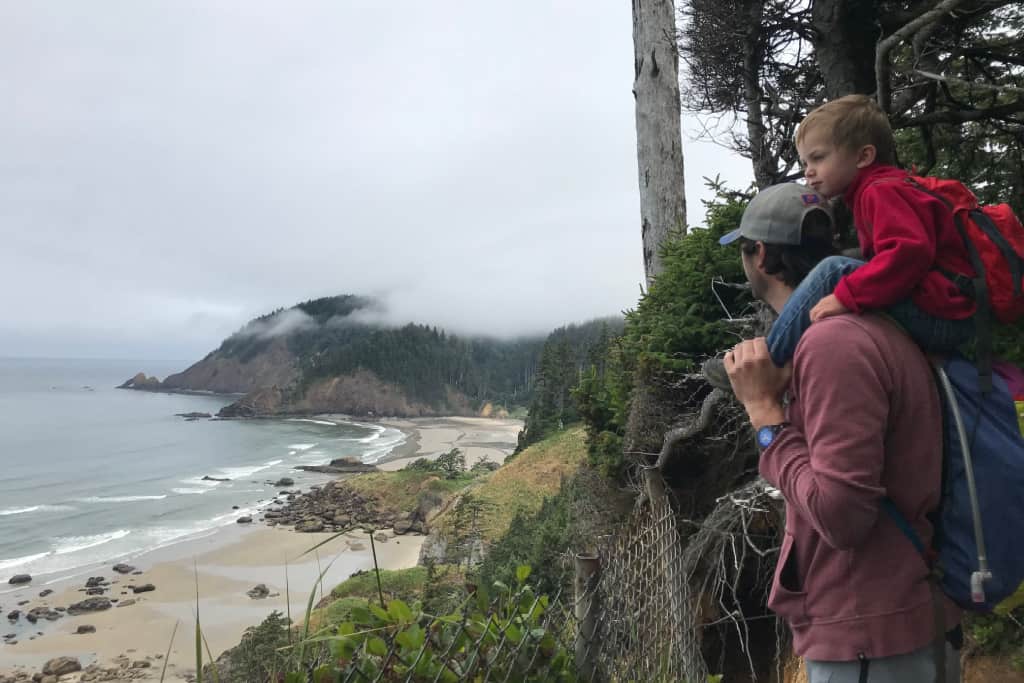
(979, 577)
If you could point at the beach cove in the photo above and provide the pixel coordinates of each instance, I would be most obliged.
(225, 565)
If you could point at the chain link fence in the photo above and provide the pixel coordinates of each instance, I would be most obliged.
(639, 612)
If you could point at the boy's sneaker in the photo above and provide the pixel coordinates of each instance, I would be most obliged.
(714, 372)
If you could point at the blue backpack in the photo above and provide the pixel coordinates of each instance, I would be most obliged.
(978, 549)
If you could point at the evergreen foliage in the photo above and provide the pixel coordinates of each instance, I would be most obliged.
(676, 324)
(568, 353)
(426, 362)
(259, 655)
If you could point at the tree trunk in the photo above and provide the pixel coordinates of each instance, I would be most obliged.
(753, 57)
(658, 133)
(843, 47)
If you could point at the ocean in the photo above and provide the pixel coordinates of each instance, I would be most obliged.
(91, 475)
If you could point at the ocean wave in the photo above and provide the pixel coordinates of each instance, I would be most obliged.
(47, 562)
(316, 422)
(301, 446)
(199, 481)
(189, 491)
(72, 544)
(35, 508)
(120, 499)
(242, 472)
(18, 561)
(390, 440)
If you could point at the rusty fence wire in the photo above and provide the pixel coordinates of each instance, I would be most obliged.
(637, 613)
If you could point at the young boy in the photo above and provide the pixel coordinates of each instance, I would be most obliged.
(917, 262)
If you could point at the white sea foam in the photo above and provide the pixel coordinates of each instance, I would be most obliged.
(199, 481)
(72, 544)
(189, 491)
(301, 446)
(35, 508)
(316, 422)
(18, 561)
(120, 499)
(242, 472)
(389, 440)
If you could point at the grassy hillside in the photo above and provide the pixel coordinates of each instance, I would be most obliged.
(521, 484)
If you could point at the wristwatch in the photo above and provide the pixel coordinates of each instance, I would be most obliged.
(766, 435)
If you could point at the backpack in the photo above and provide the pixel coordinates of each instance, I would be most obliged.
(994, 239)
(977, 555)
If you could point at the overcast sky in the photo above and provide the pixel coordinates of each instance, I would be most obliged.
(169, 170)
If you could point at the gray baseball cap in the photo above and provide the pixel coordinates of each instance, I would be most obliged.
(776, 214)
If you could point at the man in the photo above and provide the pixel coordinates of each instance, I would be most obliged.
(862, 422)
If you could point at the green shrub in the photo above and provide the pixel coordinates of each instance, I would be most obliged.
(507, 636)
(676, 323)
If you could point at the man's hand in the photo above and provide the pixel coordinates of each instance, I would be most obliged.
(827, 307)
(758, 384)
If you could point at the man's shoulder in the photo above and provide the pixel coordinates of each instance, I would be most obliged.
(851, 332)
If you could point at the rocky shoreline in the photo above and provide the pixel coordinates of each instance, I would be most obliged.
(25, 619)
(104, 639)
(336, 507)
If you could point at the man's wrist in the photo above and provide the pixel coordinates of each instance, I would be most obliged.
(763, 413)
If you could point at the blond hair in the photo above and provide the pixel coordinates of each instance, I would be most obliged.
(852, 122)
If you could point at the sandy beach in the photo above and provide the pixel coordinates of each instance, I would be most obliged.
(224, 566)
(477, 437)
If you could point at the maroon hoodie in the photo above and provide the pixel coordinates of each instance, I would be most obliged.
(865, 424)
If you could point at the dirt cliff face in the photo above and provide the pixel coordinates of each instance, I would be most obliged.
(361, 393)
(274, 366)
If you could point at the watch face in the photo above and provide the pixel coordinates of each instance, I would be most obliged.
(765, 436)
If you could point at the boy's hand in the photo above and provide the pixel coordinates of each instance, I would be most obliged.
(827, 307)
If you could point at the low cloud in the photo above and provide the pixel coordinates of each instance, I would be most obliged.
(279, 324)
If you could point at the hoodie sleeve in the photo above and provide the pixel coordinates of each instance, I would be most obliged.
(831, 469)
(900, 234)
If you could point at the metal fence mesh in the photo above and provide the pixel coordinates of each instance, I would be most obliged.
(638, 613)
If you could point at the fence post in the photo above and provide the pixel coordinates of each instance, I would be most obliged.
(588, 568)
(668, 562)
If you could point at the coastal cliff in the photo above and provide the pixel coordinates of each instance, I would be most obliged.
(320, 356)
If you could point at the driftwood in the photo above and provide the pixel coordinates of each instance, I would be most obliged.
(698, 425)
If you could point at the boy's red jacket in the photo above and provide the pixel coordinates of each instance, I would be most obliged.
(905, 235)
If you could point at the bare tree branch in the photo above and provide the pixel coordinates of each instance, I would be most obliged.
(885, 46)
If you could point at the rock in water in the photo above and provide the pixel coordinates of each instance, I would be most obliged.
(141, 381)
(244, 520)
(18, 579)
(123, 568)
(258, 592)
(284, 481)
(144, 588)
(61, 665)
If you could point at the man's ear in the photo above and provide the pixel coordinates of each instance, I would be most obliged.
(866, 156)
(759, 255)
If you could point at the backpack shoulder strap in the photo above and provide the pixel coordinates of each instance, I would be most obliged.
(904, 526)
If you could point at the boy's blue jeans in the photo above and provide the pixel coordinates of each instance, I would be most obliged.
(931, 333)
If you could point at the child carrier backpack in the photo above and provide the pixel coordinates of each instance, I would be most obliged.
(994, 238)
(977, 555)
